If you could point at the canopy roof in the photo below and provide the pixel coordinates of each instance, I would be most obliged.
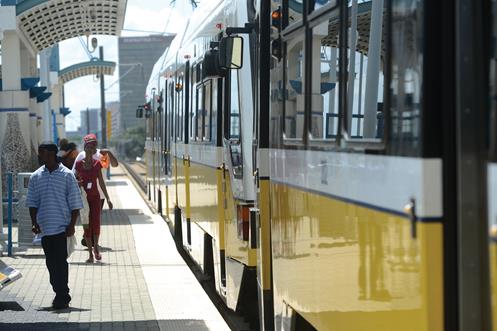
(90, 68)
(45, 23)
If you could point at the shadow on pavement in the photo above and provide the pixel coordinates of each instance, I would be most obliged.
(96, 263)
(102, 249)
(10, 305)
(150, 325)
(62, 311)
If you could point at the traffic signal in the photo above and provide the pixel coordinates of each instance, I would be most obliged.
(139, 112)
(276, 19)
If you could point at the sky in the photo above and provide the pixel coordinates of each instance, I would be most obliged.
(145, 15)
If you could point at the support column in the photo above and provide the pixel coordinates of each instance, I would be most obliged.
(29, 69)
(46, 105)
(14, 109)
(56, 104)
(373, 70)
(35, 137)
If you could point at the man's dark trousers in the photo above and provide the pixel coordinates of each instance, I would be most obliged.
(55, 248)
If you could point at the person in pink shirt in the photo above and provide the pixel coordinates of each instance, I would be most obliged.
(88, 172)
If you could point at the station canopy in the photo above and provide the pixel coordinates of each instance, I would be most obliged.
(45, 23)
(90, 68)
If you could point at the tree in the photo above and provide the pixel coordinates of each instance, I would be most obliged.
(130, 144)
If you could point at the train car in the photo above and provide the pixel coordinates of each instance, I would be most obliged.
(199, 146)
(356, 200)
(371, 164)
(329, 163)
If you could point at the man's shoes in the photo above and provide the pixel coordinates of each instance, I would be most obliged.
(58, 303)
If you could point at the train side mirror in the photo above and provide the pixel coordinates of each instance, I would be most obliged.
(231, 52)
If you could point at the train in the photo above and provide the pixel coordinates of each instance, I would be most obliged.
(331, 164)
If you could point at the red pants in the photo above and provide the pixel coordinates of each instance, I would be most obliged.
(93, 229)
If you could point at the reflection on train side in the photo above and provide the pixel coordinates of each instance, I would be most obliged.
(331, 256)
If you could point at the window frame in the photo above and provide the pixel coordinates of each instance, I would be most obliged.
(229, 111)
(369, 143)
(321, 16)
(207, 128)
(180, 106)
(200, 132)
(315, 13)
(288, 36)
(286, 25)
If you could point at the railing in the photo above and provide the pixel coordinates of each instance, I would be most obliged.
(10, 211)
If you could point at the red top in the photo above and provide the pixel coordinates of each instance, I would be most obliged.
(89, 177)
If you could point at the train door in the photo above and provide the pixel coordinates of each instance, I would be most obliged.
(171, 167)
(471, 190)
(160, 149)
(167, 149)
(181, 150)
(186, 86)
(358, 202)
(238, 186)
(490, 37)
(260, 214)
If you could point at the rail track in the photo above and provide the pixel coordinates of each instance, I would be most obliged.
(138, 171)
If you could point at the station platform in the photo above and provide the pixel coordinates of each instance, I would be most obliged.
(142, 282)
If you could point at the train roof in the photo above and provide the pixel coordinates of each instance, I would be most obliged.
(202, 22)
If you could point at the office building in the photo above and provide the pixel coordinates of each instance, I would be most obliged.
(137, 56)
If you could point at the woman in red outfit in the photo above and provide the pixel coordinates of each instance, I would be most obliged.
(88, 171)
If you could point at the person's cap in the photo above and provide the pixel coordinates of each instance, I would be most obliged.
(90, 138)
(49, 146)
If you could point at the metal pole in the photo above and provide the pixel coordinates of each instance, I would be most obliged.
(9, 212)
(102, 104)
(359, 111)
(373, 70)
(352, 50)
(55, 131)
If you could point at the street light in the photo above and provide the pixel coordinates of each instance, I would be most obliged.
(93, 43)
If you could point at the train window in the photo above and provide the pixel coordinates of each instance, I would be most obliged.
(406, 82)
(214, 108)
(166, 130)
(180, 108)
(277, 100)
(208, 97)
(324, 97)
(366, 65)
(171, 112)
(193, 104)
(205, 107)
(234, 107)
(294, 103)
(200, 110)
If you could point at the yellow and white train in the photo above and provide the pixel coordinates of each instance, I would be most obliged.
(329, 164)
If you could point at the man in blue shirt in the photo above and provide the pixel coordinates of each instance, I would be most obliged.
(54, 201)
